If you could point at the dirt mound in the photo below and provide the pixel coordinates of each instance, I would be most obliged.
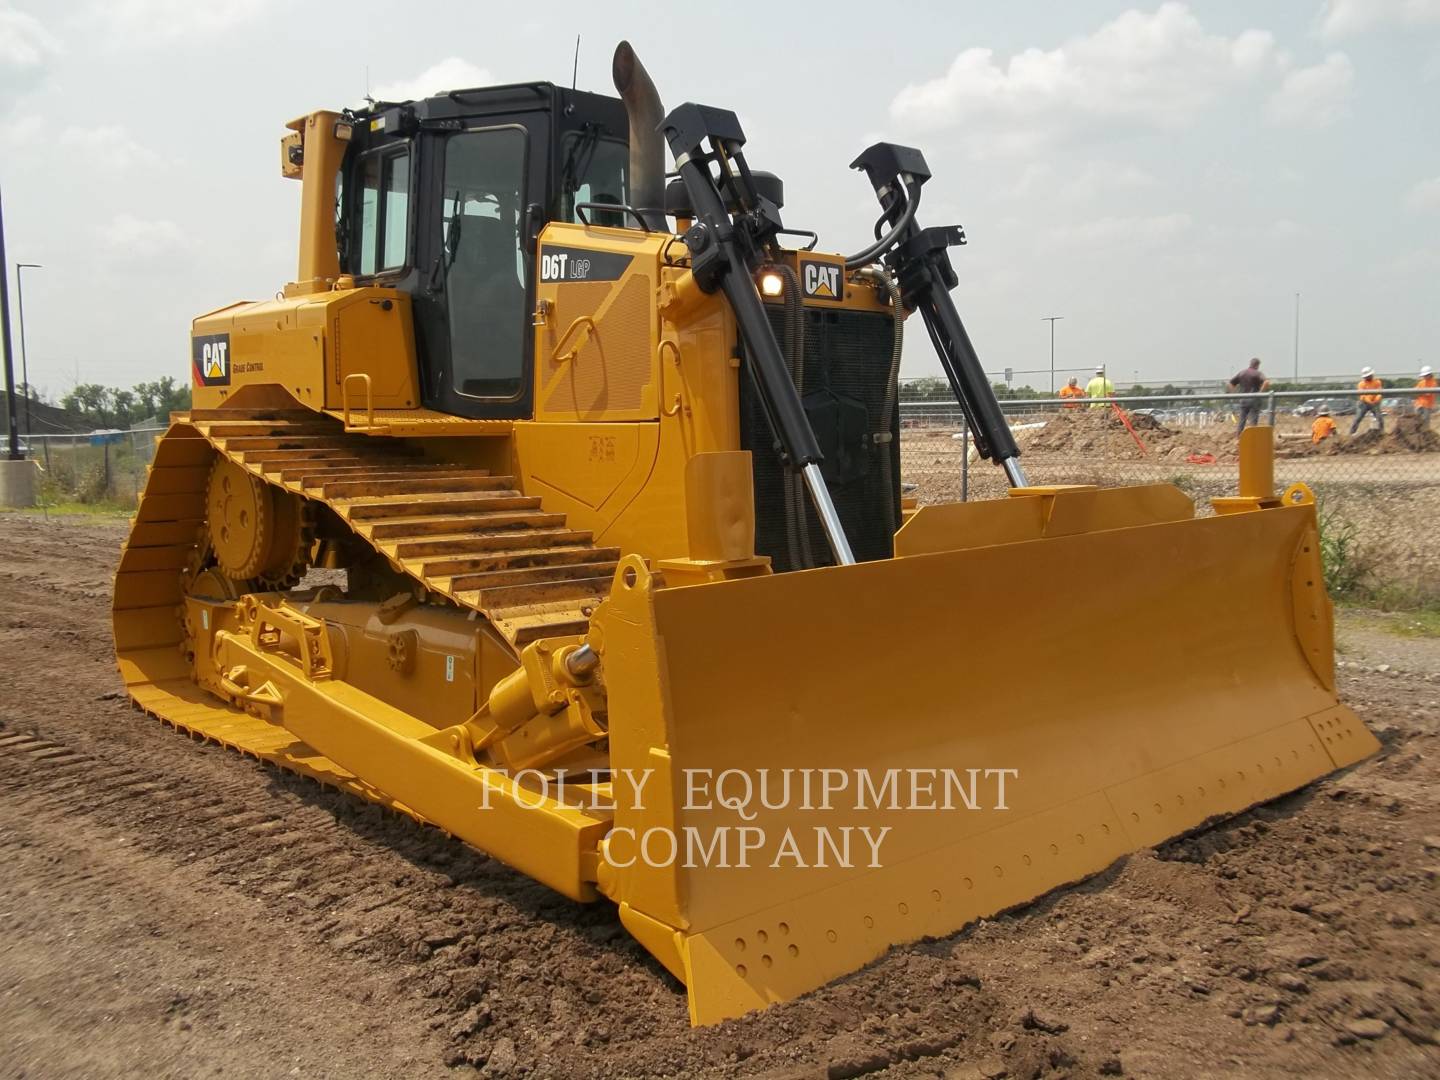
(1404, 435)
(1103, 433)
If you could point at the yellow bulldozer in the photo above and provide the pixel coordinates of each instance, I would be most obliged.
(557, 503)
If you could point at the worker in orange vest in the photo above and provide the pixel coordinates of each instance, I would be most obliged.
(1424, 403)
(1322, 428)
(1369, 403)
(1072, 389)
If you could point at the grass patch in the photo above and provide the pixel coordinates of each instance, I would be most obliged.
(1424, 623)
(1346, 564)
(1410, 619)
(107, 509)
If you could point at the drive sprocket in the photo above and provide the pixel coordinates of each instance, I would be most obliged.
(255, 530)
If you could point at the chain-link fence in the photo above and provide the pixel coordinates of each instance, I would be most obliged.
(97, 468)
(1378, 489)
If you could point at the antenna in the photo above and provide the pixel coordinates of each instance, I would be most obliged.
(368, 98)
(575, 71)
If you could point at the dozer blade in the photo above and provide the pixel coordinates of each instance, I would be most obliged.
(1137, 671)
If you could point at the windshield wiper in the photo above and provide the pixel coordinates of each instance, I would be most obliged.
(451, 246)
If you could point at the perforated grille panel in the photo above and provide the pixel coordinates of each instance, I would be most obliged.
(606, 377)
(847, 362)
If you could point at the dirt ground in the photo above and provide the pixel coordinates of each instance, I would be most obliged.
(1109, 434)
(171, 909)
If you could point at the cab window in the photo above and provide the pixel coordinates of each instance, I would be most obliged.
(384, 210)
(593, 170)
(482, 210)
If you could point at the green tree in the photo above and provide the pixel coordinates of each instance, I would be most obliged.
(122, 407)
(90, 400)
(160, 398)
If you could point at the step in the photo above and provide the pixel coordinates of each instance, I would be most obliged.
(331, 441)
(269, 429)
(313, 474)
(528, 628)
(389, 455)
(476, 543)
(496, 581)
(409, 485)
(516, 558)
(431, 505)
(252, 415)
(535, 594)
(405, 528)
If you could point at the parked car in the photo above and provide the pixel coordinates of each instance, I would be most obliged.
(1309, 407)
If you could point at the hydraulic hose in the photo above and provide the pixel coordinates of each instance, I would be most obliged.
(797, 532)
(875, 250)
(892, 390)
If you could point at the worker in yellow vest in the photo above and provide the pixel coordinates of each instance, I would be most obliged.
(1369, 402)
(1425, 403)
(1099, 387)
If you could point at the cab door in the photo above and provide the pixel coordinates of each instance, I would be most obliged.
(474, 308)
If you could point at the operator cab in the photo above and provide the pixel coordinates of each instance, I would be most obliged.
(445, 198)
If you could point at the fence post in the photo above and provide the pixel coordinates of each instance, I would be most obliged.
(964, 458)
(1272, 408)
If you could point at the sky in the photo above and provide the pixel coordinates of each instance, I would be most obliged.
(1166, 177)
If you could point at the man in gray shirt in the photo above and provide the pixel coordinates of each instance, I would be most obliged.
(1250, 381)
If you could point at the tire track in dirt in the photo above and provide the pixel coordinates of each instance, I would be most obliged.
(481, 967)
(113, 967)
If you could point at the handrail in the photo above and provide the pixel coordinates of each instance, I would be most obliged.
(369, 401)
(679, 403)
(556, 356)
(624, 208)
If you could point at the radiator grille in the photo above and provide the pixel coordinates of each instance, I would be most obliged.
(847, 360)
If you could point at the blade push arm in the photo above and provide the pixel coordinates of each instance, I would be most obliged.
(921, 264)
(725, 251)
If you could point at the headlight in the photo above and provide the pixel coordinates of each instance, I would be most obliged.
(771, 283)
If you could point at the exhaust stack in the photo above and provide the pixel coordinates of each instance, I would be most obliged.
(647, 147)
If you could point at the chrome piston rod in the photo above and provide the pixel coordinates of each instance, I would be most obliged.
(829, 517)
(1014, 472)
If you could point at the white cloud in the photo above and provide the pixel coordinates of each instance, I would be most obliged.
(452, 73)
(108, 145)
(1157, 69)
(125, 236)
(1313, 96)
(1129, 232)
(23, 129)
(1424, 195)
(150, 22)
(1341, 18)
(1082, 183)
(26, 49)
(1418, 262)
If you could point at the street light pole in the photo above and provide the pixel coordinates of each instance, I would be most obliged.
(1052, 319)
(24, 360)
(1297, 337)
(15, 454)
